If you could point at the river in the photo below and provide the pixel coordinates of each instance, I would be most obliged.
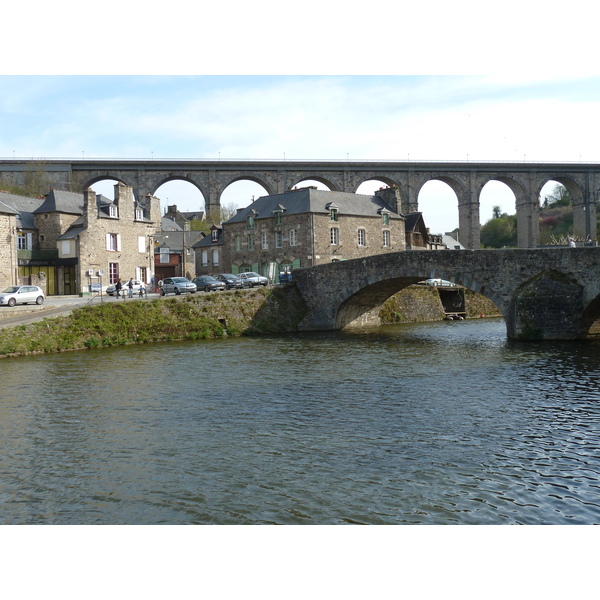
(440, 423)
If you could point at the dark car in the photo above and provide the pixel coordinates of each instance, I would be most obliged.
(207, 283)
(231, 281)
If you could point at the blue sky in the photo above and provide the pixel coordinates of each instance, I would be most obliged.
(304, 117)
(252, 81)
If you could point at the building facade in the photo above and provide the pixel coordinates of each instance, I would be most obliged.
(302, 228)
(112, 240)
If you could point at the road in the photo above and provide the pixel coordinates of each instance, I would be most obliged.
(54, 306)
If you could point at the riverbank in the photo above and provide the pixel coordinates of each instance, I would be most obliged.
(202, 316)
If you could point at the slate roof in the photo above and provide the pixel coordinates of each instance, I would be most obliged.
(174, 239)
(23, 205)
(62, 201)
(412, 219)
(207, 241)
(308, 200)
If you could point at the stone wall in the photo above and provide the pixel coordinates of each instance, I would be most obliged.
(8, 250)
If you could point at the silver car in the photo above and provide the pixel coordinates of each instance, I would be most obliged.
(22, 294)
(177, 285)
(251, 279)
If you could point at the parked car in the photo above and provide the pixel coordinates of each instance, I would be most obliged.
(177, 285)
(252, 279)
(22, 294)
(439, 282)
(231, 281)
(207, 283)
(111, 289)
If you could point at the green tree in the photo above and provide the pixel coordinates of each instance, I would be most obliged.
(559, 196)
(500, 232)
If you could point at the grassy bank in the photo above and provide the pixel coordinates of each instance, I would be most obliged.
(201, 316)
(194, 317)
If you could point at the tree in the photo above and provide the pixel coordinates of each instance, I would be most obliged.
(559, 196)
(500, 232)
(496, 212)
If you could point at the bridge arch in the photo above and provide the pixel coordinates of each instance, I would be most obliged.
(183, 178)
(90, 183)
(318, 178)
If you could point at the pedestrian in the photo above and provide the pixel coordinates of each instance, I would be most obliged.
(130, 286)
(142, 289)
(118, 287)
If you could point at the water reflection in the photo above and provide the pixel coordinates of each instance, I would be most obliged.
(437, 423)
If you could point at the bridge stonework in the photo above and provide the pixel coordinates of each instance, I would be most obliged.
(467, 179)
(544, 294)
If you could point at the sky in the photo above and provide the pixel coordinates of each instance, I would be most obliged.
(351, 117)
(250, 81)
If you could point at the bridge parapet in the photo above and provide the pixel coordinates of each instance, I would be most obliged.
(544, 294)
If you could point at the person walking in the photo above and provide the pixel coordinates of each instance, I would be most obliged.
(130, 286)
(142, 289)
(118, 287)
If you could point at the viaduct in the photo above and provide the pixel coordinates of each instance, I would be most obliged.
(544, 294)
(467, 179)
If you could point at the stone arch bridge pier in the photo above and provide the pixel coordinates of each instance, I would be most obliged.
(543, 294)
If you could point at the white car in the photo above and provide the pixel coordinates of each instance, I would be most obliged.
(439, 282)
(22, 294)
(111, 290)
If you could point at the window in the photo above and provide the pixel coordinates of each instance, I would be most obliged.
(113, 272)
(386, 219)
(164, 255)
(278, 217)
(334, 236)
(215, 257)
(141, 243)
(139, 214)
(333, 212)
(264, 240)
(25, 241)
(65, 247)
(293, 237)
(113, 211)
(251, 242)
(238, 243)
(204, 258)
(113, 242)
(278, 239)
(386, 238)
(214, 235)
(362, 237)
(250, 222)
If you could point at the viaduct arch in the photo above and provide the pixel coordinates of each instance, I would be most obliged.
(544, 294)
(465, 178)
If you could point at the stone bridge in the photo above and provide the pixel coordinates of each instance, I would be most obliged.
(467, 179)
(544, 294)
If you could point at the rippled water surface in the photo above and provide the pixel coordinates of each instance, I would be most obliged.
(442, 423)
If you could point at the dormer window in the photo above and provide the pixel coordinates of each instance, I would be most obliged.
(385, 215)
(214, 235)
(250, 222)
(333, 211)
(113, 211)
(277, 214)
(139, 214)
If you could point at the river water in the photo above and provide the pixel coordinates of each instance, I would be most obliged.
(441, 423)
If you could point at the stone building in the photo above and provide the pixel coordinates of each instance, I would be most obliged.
(111, 240)
(8, 247)
(302, 228)
(183, 219)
